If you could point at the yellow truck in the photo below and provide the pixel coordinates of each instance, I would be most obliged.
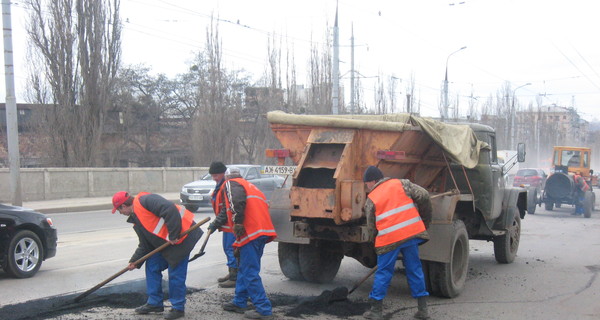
(319, 219)
(560, 188)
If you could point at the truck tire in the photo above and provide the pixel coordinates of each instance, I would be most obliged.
(532, 199)
(549, 205)
(448, 279)
(588, 204)
(289, 261)
(507, 245)
(318, 263)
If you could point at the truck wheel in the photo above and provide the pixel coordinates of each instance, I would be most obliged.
(532, 197)
(549, 205)
(319, 263)
(431, 281)
(588, 204)
(506, 246)
(448, 279)
(25, 255)
(288, 260)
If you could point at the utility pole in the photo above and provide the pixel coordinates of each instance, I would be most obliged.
(352, 71)
(512, 116)
(445, 109)
(12, 121)
(336, 66)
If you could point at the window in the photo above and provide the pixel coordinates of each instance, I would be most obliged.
(570, 158)
(252, 174)
(586, 163)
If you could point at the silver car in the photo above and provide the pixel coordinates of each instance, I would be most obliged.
(198, 193)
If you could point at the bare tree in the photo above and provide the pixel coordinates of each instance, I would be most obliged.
(219, 97)
(147, 123)
(411, 106)
(380, 96)
(320, 73)
(77, 44)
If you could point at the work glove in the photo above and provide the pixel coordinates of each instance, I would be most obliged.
(239, 230)
(212, 227)
(236, 252)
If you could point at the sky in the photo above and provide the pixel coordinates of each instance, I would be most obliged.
(546, 48)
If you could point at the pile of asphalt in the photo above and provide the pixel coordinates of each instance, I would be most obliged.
(299, 307)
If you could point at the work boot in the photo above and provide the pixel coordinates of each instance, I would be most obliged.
(230, 283)
(253, 314)
(422, 313)
(230, 306)
(174, 314)
(226, 277)
(147, 308)
(376, 311)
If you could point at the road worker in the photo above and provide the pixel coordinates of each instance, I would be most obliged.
(157, 220)
(217, 171)
(246, 208)
(401, 213)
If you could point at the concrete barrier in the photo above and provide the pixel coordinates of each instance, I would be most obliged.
(61, 183)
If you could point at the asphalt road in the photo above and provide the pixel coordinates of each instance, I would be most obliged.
(555, 275)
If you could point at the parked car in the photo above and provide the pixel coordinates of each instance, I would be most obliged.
(198, 193)
(530, 177)
(27, 238)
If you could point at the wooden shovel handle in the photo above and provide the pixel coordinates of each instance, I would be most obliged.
(363, 280)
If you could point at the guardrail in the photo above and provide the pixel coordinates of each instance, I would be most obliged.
(61, 183)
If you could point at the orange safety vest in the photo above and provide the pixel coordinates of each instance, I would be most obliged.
(156, 225)
(257, 220)
(582, 184)
(396, 216)
(219, 201)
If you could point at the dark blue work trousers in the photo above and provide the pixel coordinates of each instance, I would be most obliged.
(228, 240)
(155, 265)
(249, 284)
(412, 264)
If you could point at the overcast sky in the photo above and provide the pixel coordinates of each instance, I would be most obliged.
(551, 44)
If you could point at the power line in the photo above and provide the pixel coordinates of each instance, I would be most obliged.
(576, 67)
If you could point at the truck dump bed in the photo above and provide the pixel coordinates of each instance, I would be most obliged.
(331, 153)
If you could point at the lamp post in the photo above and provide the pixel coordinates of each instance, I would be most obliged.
(445, 111)
(512, 115)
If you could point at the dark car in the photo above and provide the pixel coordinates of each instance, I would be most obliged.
(26, 239)
(530, 177)
(197, 193)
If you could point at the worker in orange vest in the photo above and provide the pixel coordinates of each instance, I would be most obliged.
(217, 171)
(581, 187)
(246, 206)
(157, 220)
(400, 211)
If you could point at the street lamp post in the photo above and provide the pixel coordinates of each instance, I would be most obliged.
(445, 111)
(512, 115)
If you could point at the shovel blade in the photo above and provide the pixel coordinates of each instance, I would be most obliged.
(196, 256)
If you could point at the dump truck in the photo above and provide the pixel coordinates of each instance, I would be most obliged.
(560, 186)
(319, 219)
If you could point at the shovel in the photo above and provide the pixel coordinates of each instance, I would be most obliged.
(140, 260)
(342, 293)
(201, 252)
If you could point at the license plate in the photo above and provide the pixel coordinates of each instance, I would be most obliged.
(196, 198)
(284, 170)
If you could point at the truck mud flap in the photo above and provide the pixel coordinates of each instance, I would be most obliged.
(438, 248)
(280, 208)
